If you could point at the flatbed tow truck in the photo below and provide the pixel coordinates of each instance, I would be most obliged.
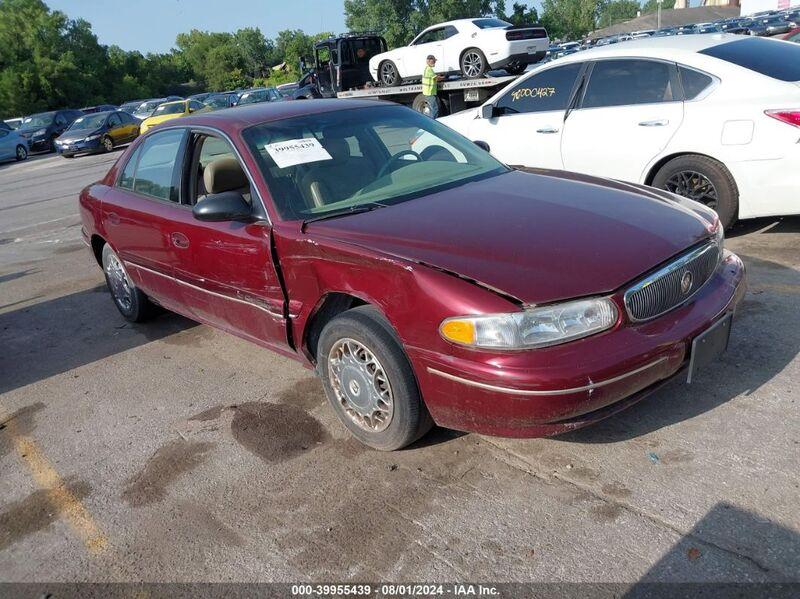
(341, 70)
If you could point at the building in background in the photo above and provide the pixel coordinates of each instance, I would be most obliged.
(751, 6)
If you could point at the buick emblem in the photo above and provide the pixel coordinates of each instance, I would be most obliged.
(686, 282)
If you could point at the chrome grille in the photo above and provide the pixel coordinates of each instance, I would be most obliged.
(672, 285)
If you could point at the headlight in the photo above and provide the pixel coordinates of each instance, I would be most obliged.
(92, 137)
(719, 236)
(39, 132)
(534, 327)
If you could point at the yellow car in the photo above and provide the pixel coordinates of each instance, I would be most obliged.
(171, 110)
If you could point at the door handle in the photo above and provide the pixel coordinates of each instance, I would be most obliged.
(657, 123)
(179, 240)
(547, 130)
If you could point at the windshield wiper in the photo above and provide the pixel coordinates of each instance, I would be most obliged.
(345, 212)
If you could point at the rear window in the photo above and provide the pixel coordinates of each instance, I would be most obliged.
(490, 23)
(768, 57)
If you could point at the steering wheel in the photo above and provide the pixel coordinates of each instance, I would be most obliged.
(396, 158)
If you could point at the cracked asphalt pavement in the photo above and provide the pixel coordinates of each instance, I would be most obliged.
(173, 452)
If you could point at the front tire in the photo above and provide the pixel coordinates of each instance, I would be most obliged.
(129, 299)
(388, 74)
(704, 180)
(108, 144)
(21, 153)
(369, 381)
(473, 63)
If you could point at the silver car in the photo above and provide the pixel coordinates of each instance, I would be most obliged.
(13, 146)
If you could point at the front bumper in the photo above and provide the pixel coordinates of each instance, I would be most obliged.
(552, 390)
(77, 147)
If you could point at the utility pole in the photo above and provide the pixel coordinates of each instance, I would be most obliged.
(659, 2)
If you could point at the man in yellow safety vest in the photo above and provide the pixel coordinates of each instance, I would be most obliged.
(430, 82)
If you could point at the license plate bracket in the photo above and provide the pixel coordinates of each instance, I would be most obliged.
(709, 345)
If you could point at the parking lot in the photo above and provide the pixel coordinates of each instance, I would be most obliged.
(173, 452)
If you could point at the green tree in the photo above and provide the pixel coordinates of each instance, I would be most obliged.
(652, 6)
(570, 19)
(617, 11)
(522, 14)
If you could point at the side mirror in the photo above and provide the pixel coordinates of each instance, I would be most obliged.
(225, 206)
(482, 145)
(489, 111)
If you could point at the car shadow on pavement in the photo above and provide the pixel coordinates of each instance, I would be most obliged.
(732, 545)
(765, 338)
(770, 224)
(57, 335)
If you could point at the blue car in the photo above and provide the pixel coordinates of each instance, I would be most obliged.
(12, 145)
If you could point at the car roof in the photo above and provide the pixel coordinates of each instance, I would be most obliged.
(655, 47)
(241, 117)
(461, 22)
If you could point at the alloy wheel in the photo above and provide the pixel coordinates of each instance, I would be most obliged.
(22, 153)
(693, 185)
(388, 73)
(119, 282)
(472, 64)
(361, 385)
(108, 144)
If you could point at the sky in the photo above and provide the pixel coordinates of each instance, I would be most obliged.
(151, 25)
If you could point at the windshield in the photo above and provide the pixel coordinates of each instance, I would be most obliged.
(92, 121)
(178, 108)
(148, 106)
(38, 120)
(218, 101)
(323, 164)
(253, 97)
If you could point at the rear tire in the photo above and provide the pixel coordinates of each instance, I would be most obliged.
(129, 299)
(369, 381)
(388, 74)
(702, 179)
(420, 104)
(21, 153)
(473, 63)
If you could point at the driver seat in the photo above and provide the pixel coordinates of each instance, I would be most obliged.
(329, 181)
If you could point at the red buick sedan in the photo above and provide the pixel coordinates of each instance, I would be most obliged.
(438, 286)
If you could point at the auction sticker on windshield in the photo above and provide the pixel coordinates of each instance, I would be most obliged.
(297, 151)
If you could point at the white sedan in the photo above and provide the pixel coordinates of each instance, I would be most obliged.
(714, 117)
(468, 46)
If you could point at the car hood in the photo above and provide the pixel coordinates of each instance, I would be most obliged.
(539, 236)
(155, 120)
(78, 134)
(27, 131)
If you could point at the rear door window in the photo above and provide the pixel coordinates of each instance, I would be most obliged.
(627, 82)
(777, 60)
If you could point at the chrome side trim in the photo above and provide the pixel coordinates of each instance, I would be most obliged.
(511, 391)
(214, 293)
